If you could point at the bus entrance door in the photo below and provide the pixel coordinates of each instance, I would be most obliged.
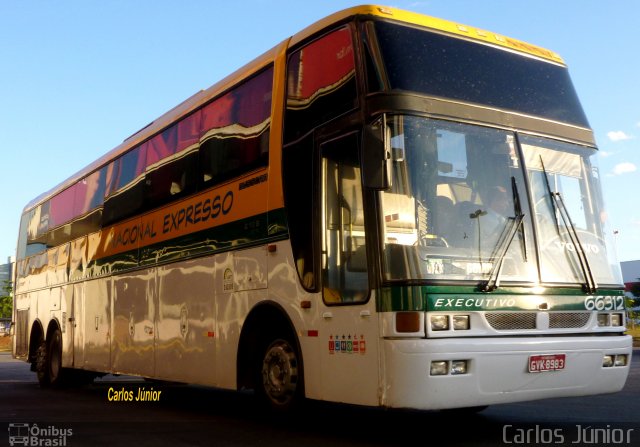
(350, 367)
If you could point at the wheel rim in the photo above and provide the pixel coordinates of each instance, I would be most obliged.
(280, 372)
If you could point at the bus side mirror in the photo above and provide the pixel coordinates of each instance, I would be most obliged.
(376, 155)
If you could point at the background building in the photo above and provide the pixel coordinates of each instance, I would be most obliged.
(630, 273)
(6, 271)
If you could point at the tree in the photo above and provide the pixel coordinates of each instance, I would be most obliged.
(6, 300)
(631, 303)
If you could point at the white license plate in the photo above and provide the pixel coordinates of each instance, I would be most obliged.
(549, 362)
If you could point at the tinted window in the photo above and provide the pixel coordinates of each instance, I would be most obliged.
(169, 172)
(62, 207)
(127, 168)
(320, 83)
(33, 231)
(95, 186)
(235, 136)
(234, 130)
(125, 186)
(444, 66)
(171, 179)
(301, 201)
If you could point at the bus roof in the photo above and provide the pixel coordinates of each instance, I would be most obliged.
(433, 23)
(203, 96)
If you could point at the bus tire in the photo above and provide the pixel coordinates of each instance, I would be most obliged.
(279, 379)
(53, 363)
(40, 364)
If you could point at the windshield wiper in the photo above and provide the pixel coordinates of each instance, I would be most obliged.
(500, 251)
(517, 208)
(514, 225)
(590, 284)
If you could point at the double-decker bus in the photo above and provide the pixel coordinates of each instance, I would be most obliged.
(386, 209)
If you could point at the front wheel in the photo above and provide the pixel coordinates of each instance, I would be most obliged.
(280, 383)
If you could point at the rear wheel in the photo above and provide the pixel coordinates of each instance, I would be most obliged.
(54, 359)
(40, 364)
(48, 362)
(279, 383)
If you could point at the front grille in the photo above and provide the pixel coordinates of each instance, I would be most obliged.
(503, 321)
(568, 320)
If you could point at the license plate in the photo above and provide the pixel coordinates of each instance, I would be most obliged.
(550, 362)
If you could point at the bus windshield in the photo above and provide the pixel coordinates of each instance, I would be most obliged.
(438, 65)
(568, 171)
(458, 207)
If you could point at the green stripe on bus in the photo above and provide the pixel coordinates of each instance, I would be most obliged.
(467, 298)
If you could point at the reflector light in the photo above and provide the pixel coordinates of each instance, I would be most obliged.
(407, 321)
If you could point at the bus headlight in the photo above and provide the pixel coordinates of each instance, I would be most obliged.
(603, 320)
(439, 368)
(458, 367)
(620, 360)
(616, 320)
(439, 322)
(615, 360)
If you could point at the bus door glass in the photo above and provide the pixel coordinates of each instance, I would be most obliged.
(350, 372)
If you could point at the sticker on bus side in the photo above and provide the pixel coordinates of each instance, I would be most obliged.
(347, 344)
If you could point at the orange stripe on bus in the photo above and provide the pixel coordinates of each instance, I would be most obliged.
(227, 203)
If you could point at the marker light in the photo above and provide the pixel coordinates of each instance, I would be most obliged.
(439, 322)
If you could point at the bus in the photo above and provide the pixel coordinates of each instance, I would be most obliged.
(386, 209)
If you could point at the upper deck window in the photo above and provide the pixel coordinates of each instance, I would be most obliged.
(320, 82)
(449, 67)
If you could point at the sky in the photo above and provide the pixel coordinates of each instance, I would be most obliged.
(79, 76)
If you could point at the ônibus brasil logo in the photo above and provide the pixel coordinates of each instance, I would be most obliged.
(33, 435)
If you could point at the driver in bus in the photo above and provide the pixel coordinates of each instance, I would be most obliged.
(494, 217)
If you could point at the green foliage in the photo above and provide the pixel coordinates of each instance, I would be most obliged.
(6, 300)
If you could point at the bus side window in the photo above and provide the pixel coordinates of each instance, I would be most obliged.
(170, 173)
(124, 186)
(235, 131)
(321, 83)
(344, 259)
